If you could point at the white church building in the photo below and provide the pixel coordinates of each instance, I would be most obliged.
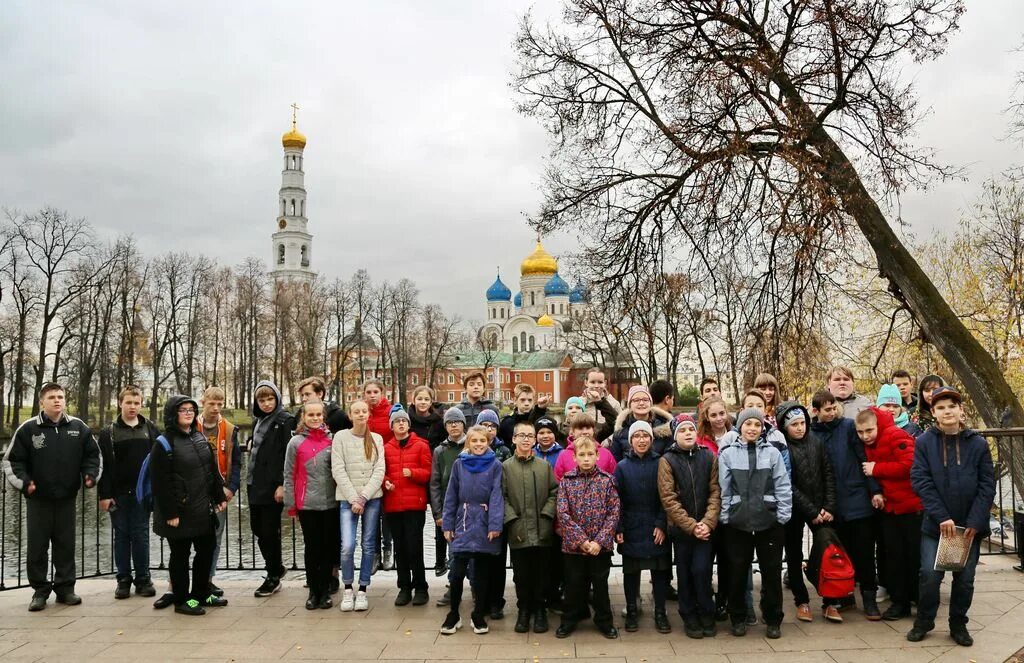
(292, 244)
(540, 314)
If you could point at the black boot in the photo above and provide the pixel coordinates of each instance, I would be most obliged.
(693, 630)
(870, 606)
(632, 621)
(312, 601)
(661, 622)
(124, 589)
(708, 626)
(540, 621)
(523, 621)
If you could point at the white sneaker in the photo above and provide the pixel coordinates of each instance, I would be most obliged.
(881, 595)
(347, 601)
(361, 602)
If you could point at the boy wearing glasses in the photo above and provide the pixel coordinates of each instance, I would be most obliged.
(50, 457)
(530, 490)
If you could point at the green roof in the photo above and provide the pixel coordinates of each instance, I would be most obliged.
(523, 360)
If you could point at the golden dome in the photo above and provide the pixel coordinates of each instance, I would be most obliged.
(538, 262)
(294, 138)
(545, 321)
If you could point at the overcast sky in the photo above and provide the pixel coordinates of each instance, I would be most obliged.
(164, 120)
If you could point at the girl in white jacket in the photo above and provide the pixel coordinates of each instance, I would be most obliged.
(357, 461)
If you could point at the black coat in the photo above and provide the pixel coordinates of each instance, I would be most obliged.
(268, 471)
(124, 448)
(507, 428)
(335, 417)
(429, 427)
(186, 482)
(55, 456)
(814, 482)
(637, 481)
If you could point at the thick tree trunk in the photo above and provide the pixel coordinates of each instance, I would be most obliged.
(984, 382)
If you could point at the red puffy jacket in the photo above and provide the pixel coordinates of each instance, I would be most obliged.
(379, 421)
(409, 492)
(893, 455)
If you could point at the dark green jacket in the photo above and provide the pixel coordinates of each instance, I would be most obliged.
(530, 493)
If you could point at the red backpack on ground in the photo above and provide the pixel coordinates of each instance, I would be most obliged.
(829, 568)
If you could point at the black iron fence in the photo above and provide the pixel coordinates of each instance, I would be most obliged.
(240, 553)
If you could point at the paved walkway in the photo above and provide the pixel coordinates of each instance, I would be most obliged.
(279, 628)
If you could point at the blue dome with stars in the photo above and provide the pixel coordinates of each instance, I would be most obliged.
(498, 292)
(556, 287)
(518, 301)
(578, 294)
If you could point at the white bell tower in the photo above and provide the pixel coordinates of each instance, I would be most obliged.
(292, 245)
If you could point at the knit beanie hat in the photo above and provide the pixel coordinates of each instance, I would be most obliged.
(640, 426)
(546, 422)
(576, 400)
(683, 420)
(454, 414)
(396, 414)
(794, 414)
(487, 417)
(749, 413)
(889, 393)
(637, 389)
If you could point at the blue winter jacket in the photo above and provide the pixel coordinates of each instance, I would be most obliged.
(637, 480)
(954, 477)
(756, 490)
(846, 452)
(474, 504)
(551, 455)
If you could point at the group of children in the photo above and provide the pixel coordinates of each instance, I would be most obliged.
(672, 493)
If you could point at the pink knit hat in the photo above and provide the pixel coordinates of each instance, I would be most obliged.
(637, 389)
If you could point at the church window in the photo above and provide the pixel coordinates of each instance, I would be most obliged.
(547, 377)
(302, 208)
(280, 254)
(304, 256)
(293, 163)
(532, 301)
(293, 207)
(533, 345)
(284, 206)
(522, 341)
(515, 344)
(561, 308)
(494, 341)
(451, 378)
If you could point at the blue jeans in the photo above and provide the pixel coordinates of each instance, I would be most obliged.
(371, 521)
(961, 594)
(131, 539)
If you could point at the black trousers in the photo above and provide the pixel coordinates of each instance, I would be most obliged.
(795, 560)
(740, 547)
(858, 537)
(440, 547)
(320, 540)
(407, 535)
(265, 522)
(178, 566)
(497, 570)
(583, 572)
(659, 588)
(530, 576)
(480, 581)
(51, 523)
(902, 536)
(554, 567)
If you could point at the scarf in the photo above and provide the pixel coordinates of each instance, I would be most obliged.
(316, 441)
(477, 464)
(903, 419)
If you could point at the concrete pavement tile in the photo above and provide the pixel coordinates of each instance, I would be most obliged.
(233, 636)
(544, 645)
(798, 642)
(987, 647)
(783, 657)
(307, 635)
(242, 652)
(75, 651)
(326, 652)
(901, 655)
(17, 620)
(373, 637)
(462, 645)
(622, 648)
(704, 658)
(723, 643)
(115, 634)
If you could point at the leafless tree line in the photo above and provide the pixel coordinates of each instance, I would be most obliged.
(97, 316)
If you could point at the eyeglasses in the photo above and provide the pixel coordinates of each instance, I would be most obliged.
(488, 424)
(638, 401)
(186, 410)
(524, 436)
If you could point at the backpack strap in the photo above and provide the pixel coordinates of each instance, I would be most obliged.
(164, 443)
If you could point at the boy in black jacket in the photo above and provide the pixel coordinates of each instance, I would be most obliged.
(954, 477)
(50, 457)
(526, 409)
(125, 443)
(271, 432)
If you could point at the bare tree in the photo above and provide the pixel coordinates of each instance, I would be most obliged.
(676, 121)
(440, 337)
(56, 247)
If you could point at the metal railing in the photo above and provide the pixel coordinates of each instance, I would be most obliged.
(239, 552)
